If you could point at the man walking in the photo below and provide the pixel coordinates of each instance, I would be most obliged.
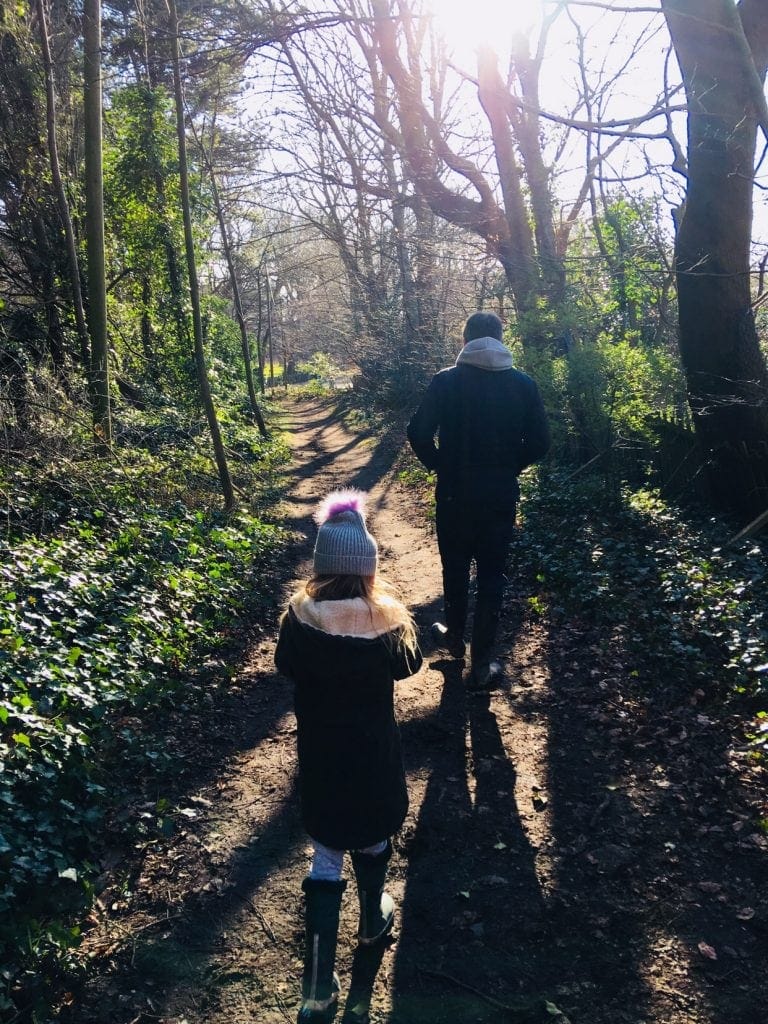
(490, 424)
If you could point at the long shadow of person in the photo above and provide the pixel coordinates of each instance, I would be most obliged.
(472, 919)
(511, 941)
(365, 968)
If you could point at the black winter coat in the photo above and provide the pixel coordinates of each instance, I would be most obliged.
(491, 425)
(351, 775)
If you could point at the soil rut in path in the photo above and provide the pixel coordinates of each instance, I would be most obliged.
(514, 876)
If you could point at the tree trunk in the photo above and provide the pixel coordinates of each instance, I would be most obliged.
(725, 370)
(61, 196)
(527, 131)
(94, 206)
(259, 335)
(246, 347)
(44, 275)
(520, 263)
(194, 290)
(270, 315)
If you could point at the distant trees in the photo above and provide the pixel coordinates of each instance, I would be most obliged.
(505, 197)
(498, 184)
(336, 159)
(405, 269)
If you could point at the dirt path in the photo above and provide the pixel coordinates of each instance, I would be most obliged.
(570, 848)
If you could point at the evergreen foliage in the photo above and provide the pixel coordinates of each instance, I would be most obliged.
(692, 611)
(115, 587)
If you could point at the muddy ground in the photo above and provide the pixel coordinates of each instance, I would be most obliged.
(577, 847)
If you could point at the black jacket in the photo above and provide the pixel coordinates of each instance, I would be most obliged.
(490, 426)
(351, 776)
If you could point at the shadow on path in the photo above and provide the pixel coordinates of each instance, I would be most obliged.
(457, 958)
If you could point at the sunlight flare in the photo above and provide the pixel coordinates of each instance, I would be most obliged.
(468, 26)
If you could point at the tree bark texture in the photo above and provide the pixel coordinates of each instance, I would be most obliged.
(725, 370)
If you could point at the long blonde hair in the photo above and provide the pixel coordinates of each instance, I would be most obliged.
(375, 591)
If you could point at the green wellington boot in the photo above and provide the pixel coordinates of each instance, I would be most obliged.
(377, 908)
(320, 984)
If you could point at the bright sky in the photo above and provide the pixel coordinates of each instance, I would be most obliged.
(467, 24)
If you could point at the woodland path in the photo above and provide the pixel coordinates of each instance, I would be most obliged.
(572, 852)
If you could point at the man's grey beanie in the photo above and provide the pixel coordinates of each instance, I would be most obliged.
(344, 547)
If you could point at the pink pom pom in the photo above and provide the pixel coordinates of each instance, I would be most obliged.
(340, 501)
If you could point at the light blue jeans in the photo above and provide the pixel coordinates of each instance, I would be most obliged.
(327, 864)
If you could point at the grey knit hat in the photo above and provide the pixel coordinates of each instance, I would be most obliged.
(344, 547)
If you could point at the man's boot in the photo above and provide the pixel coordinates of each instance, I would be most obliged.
(445, 640)
(377, 908)
(319, 984)
(450, 637)
(485, 672)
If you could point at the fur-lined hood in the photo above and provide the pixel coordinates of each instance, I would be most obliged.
(486, 354)
(352, 616)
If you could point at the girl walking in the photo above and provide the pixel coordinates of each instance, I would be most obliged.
(344, 640)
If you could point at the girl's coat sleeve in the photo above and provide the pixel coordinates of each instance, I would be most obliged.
(405, 662)
(284, 648)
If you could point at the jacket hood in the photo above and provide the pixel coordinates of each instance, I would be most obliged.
(354, 617)
(486, 354)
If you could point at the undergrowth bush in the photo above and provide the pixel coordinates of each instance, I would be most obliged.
(693, 608)
(117, 579)
(602, 393)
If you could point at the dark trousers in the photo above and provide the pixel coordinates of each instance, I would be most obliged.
(467, 531)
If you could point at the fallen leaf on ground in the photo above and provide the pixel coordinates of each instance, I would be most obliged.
(710, 887)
